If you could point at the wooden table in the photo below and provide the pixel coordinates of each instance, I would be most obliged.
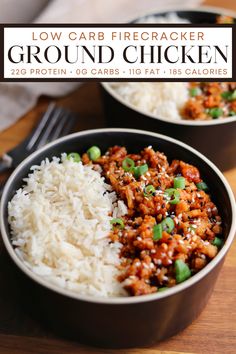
(214, 332)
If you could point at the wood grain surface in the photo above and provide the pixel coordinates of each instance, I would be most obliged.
(214, 332)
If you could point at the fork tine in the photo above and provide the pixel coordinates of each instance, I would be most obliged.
(69, 124)
(43, 137)
(46, 117)
(64, 126)
(59, 131)
(54, 123)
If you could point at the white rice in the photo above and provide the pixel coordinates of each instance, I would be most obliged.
(170, 17)
(162, 99)
(60, 227)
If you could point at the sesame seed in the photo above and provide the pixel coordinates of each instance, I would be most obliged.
(176, 221)
(153, 250)
(158, 261)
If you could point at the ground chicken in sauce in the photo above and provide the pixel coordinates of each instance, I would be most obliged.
(172, 229)
(210, 100)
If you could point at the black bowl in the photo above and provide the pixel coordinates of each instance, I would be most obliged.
(129, 321)
(214, 138)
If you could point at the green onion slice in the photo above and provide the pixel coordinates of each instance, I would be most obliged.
(167, 224)
(149, 190)
(217, 242)
(226, 95)
(157, 232)
(74, 156)
(179, 182)
(128, 164)
(216, 112)
(233, 96)
(229, 95)
(94, 153)
(182, 271)
(117, 222)
(173, 195)
(163, 288)
(195, 91)
(202, 186)
(140, 170)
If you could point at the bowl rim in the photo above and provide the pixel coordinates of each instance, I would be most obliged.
(208, 9)
(116, 300)
(116, 96)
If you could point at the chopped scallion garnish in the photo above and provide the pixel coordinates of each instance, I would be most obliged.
(128, 164)
(94, 153)
(157, 232)
(140, 170)
(202, 186)
(172, 195)
(117, 222)
(179, 182)
(74, 156)
(149, 190)
(168, 225)
(182, 271)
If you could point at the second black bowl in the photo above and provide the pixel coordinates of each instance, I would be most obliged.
(214, 138)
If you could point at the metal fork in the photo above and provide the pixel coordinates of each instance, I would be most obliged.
(55, 122)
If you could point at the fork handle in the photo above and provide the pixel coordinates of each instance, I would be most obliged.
(6, 163)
